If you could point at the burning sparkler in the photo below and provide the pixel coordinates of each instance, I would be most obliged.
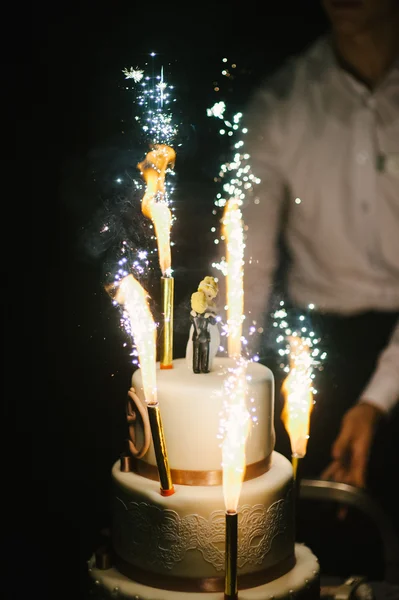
(160, 132)
(154, 205)
(298, 399)
(237, 181)
(153, 169)
(153, 102)
(237, 423)
(134, 298)
(300, 345)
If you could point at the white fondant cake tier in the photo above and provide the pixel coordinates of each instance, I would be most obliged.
(191, 406)
(183, 535)
(300, 583)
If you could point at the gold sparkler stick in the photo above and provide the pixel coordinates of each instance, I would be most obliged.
(231, 545)
(297, 483)
(295, 462)
(233, 447)
(167, 289)
(158, 439)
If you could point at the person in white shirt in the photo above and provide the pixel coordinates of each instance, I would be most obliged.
(323, 138)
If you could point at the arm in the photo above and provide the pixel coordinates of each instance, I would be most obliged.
(382, 390)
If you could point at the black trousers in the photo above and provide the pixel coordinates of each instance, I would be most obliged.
(353, 345)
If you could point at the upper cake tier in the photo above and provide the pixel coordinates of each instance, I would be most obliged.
(191, 406)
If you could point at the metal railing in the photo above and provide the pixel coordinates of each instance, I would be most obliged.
(342, 493)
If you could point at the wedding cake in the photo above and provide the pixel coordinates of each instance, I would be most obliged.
(171, 546)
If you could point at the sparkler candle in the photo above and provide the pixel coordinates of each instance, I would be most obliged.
(167, 291)
(236, 428)
(154, 206)
(297, 389)
(233, 233)
(230, 588)
(133, 297)
(237, 424)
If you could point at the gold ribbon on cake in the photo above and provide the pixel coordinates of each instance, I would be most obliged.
(187, 477)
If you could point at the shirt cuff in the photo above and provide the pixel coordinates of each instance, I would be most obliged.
(382, 391)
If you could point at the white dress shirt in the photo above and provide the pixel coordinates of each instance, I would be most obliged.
(326, 149)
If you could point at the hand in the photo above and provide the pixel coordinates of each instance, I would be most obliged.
(351, 449)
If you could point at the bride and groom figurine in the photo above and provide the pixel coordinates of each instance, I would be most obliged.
(204, 338)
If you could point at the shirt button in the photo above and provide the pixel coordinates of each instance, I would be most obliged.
(365, 206)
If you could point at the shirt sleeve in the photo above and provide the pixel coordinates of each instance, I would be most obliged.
(262, 208)
(383, 387)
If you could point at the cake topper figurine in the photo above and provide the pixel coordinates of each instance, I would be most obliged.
(204, 338)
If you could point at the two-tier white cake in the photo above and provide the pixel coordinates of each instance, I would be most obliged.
(173, 547)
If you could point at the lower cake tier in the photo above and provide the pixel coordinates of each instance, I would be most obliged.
(302, 582)
(179, 540)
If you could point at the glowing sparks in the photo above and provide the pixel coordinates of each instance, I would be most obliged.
(298, 346)
(290, 325)
(156, 119)
(298, 396)
(235, 175)
(233, 233)
(235, 427)
(154, 206)
(155, 100)
(217, 110)
(135, 74)
(134, 299)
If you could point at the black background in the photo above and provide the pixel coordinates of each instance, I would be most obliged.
(69, 369)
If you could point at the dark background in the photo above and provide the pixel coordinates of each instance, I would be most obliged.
(68, 109)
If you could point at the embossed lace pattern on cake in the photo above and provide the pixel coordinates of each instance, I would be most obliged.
(164, 538)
